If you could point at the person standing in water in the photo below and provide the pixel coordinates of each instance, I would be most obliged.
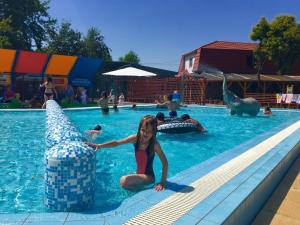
(49, 90)
(103, 101)
(172, 106)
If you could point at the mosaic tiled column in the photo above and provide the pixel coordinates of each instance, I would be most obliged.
(70, 164)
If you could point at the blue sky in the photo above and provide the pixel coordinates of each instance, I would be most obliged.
(160, 31)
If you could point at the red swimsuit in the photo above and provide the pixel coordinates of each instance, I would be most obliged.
(144, 161)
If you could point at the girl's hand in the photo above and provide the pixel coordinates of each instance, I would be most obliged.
(159, 187)
(92, 145)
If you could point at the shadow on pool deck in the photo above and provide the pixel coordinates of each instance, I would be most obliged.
(283, 207)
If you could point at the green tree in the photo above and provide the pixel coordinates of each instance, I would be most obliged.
(5, 33)
(130, 57)
(29, 21)
(66, 41)
(279, 42)
(94, 46)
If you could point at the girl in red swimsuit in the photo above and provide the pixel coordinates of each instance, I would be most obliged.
(146, 146)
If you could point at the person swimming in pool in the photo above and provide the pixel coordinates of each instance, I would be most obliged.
(267, 111)
(146, 146)
(93, 133)
(188, 119)
(171, 105)
(160, 118)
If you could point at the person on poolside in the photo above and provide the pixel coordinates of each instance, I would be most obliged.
(188, 119)
(49, 90)
(103, 101)
(267, 111)
(145, 146)
(121, 99)
(172, 106)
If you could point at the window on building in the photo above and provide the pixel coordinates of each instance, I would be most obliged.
(191, 62)
(250, 61)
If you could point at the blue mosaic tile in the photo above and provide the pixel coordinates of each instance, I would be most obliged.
(206, 222)
(84, 216)
(128, 213)
(70, 164)
(9, 218)
(43, 223)
(84, 222)
(39, 217)
(187, 219)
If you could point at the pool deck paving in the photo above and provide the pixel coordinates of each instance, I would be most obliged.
(283, 207)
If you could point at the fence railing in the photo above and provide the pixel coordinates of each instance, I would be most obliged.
(193, 90)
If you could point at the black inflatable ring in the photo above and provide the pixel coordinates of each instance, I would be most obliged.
(176, 127)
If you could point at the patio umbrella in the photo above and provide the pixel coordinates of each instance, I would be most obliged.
(129, 72)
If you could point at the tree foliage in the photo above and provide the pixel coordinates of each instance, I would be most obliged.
(94, 46)
(130, 57)
(279, 42)
(65, 41)
(27, 25)
(29, 21)
(5, 32)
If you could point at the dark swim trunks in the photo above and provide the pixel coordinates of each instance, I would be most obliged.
(173, 114)
(49, 94)
(106, 110)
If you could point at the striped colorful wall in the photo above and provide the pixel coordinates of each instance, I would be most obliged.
(61, 67)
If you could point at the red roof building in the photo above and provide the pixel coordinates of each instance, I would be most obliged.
(228, 57)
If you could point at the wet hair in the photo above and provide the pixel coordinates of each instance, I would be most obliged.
(268, 108)
(185, 116)
(134, 106)
(148, 121)
(98, 127)
(49, 79)
(170, 97)
(160, 116)
(115, 107)
(104, 94)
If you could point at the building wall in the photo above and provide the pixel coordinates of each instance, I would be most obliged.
(189, 61)
(228, 61)
(232, 61)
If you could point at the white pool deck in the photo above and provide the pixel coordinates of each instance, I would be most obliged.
(230, 188)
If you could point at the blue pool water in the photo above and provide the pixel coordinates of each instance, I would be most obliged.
(22, 150)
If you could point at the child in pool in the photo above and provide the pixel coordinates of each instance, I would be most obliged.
(93, 133)
(146, 146)
(267, 111)
(188, 119)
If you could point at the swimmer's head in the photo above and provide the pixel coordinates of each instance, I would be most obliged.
(160, 116)
(97, 127)
(185, 116)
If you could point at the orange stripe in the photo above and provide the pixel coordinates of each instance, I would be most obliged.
(60, 65)
(7, 57)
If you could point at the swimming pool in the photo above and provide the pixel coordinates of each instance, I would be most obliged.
(22, 146)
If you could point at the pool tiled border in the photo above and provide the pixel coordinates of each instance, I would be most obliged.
(243, 190)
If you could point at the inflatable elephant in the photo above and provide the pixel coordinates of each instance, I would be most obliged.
(237, 105)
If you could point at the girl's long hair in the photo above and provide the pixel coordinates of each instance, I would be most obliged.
(149, 121)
